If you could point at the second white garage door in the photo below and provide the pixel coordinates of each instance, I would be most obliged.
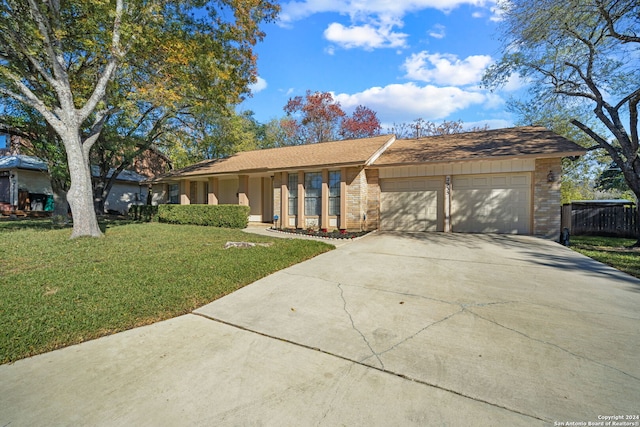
(491, 203)
(414, 204)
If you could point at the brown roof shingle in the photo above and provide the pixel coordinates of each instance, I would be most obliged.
(336, 153)
(511, 142)
(526, 141)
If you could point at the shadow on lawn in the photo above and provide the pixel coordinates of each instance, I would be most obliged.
(48, 224)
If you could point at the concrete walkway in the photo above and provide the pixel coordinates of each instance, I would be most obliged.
(391, 329)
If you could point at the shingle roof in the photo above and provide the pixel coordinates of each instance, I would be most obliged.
(21, 161)
(125, 175)
(526, 141)
(510, 142)
(336, 153)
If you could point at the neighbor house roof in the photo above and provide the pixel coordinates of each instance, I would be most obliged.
(20, 161)
(336, 153)
(125, 175)
(528, 141)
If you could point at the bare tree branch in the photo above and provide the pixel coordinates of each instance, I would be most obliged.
(606, 14)
(101, 85)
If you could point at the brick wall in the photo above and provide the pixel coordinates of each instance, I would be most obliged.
(363, 198)
(373, 199)
(354, 199)
(546, 198)
(277, 198)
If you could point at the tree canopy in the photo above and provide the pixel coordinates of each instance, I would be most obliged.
(79, 63)
(582, 58)
(317, 117)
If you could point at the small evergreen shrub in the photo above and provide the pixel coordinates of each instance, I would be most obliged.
(226, 216)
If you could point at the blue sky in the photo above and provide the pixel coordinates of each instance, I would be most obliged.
(405, 59)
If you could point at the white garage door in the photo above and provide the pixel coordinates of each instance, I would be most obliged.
(414, 204)
(491, 203)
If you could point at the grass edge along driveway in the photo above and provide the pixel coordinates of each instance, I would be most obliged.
(613, 251)
(55, 292)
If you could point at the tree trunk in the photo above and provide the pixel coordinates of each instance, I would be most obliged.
(80, 195)
(637, 243)
(60, 205)
(98, 195)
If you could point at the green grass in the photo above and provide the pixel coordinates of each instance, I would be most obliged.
(614, 251)
(55, 292)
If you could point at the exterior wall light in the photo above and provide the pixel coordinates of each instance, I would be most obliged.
(551, 177)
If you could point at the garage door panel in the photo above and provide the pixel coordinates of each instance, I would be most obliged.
(491, 204)
(411, 205)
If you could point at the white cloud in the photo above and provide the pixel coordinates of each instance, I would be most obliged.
(498, 10)
(405, 102)
(446, 69)
(258, 86)
(438, 31)
(373, 23)
(357, 9)
(515, 83)
(365, 36)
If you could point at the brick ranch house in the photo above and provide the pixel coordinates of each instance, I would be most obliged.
(495, 181)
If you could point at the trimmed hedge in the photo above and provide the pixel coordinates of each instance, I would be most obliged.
(145, 213)
(226, 216)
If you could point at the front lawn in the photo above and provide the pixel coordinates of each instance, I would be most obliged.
(55, 292)
(614, 251)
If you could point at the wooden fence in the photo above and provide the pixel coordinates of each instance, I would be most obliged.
(621, 221)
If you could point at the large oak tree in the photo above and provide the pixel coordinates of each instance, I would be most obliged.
(581, 57)
(79, 62)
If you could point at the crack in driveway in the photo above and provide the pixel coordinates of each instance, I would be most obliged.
(356, 329)
(464, 307)
(553, 345)
(386, 371)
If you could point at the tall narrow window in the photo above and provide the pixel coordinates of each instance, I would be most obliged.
(193, 192)
(205, 193)
(174, 194)
(293, 194)
(334, 193)
(313, 193)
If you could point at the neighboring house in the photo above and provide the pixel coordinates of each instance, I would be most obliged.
(25, 184)
(498, 181)
(128, 189)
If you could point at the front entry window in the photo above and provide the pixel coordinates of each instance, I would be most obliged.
(293, 194)
(334, 193)
(174, 193)
(313, 193)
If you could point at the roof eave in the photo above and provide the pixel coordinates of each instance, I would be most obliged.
(256, 171)
(485, 158)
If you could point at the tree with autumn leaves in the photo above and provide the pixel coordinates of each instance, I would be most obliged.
(78, 64)
(317, 117)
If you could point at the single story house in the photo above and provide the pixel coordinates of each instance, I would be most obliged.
(497, 181)
(25, 186)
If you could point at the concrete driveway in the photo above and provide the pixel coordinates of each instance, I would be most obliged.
(392, 329)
